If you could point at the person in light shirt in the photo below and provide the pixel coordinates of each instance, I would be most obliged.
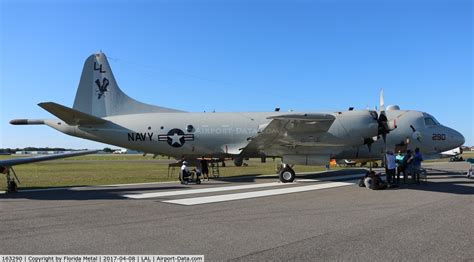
(391, 167)
(184, 173)
(399, 162)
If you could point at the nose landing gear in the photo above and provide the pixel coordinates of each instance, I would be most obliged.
(286, 174)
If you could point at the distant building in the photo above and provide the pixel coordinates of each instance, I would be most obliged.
(40, 152)
(125, 151)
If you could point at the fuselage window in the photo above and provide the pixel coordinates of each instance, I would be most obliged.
(190, 128)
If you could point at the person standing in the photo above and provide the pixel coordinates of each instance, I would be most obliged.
(406, 166)
(417, 159)
(390, 167)
(184, 173)
(399, 161)
(205, 169)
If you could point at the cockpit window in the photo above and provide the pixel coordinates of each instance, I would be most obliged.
(429, 121)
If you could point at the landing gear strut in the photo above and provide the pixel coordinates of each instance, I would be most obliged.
(12, 186)
(286, 174)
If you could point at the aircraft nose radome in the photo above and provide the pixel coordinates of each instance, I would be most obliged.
(458, 138)
(461, 139)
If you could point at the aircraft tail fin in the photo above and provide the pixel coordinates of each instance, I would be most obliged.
(70, 116)
(99, 95)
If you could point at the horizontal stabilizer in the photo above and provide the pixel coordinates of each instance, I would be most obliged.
(70, 116)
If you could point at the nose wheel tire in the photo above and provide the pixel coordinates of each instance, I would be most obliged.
(238, 161)
(287, 175)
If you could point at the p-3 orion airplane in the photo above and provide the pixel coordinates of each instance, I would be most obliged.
(103, 113)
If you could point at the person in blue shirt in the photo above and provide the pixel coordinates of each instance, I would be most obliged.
(406, 165)
(416, 162)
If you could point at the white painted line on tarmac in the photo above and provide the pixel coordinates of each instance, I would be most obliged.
(255, 194)
(230, 188)
(202, 190)
(169, 182)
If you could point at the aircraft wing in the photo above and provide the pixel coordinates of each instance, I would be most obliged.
(288, 127)
(27, 160)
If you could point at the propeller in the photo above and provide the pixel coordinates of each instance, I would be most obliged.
(383, 124)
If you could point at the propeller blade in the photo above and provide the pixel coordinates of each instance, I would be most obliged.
(382, 101)
(382, 119)
(368, 142)
(383, 125)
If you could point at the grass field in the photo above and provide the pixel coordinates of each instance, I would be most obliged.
(119, 169)
(124, 169)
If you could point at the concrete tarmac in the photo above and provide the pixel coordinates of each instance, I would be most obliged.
(320, 217)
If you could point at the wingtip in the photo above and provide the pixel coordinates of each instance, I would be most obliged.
(19, 122)
(43, 104)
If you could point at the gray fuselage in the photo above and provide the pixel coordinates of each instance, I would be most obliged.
(224, 134)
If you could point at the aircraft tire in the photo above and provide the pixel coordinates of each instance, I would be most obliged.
(287, 175)
(238, 161)
(368, 182)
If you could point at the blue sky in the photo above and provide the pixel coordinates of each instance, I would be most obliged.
(239, 56)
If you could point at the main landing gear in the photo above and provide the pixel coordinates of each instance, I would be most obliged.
(12, 186)
(286, 174)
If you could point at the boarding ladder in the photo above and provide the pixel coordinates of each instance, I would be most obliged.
(215, 168)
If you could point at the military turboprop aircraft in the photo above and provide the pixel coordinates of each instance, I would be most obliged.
(103, 113)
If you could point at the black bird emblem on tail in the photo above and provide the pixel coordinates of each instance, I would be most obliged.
(102, 87)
